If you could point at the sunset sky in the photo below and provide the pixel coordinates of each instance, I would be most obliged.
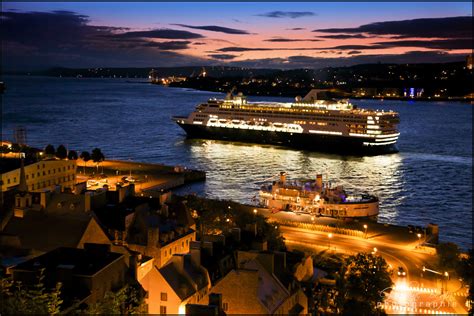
(274, 35)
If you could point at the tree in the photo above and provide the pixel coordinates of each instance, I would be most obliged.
(127, 301)
(85, 156)
(72, 155)
(448, 255)
(18, 299)
(61, 152)
(49, 150)
(367, 279)
(97, 156)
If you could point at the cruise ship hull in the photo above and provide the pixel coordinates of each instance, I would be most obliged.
(311, 142)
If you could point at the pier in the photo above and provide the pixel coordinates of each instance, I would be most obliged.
(147, 177)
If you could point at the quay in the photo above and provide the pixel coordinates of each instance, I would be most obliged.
(148, 178)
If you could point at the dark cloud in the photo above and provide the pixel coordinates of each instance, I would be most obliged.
(354, 52)
(287, 14)
(451, 27)
(321, 62)
(171, 45)
(448, 44)
(352, 47)
(282, 40)
(214, 28)
(37, 40)
(223, 56)
(343, 36)
(296, 29)
(50, 29)
(159, 33)
(242, 49)
(199, 43)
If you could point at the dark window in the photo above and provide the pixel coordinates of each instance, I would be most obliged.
(162, 310)
(164, 296)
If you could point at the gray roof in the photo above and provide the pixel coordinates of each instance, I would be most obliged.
(44, 232)
(184, 276)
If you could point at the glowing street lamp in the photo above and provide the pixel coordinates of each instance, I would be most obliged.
(329, 240)
(375, 251)
(365, 230)
(255, 211)
(419, 239)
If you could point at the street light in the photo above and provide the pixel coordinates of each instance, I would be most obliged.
(375, 251)
(446, 274)
(365, 230)
(419, 239)
(255, 211)
(329, 240)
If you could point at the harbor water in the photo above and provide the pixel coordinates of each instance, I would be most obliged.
(428, 181)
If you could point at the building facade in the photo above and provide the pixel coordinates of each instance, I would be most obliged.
(44, 174)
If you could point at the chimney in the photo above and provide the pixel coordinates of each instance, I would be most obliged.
(22, 187)
(216, 300)
(153, 236)
(88, 201)
(319, 181)
(122, 193)
(236, 233)
(195, 251)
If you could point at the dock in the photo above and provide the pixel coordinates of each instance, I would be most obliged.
(148, 178)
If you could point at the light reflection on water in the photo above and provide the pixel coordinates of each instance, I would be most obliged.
(236, 171)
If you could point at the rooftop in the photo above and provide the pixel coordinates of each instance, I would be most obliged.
(78, 261)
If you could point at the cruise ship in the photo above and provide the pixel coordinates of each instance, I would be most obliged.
(307, 123)
(317, 198)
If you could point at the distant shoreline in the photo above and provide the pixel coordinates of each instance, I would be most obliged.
(283, 95)
(458, 100)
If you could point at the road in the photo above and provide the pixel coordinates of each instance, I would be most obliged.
(416, 293)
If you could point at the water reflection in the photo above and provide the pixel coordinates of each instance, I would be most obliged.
(236, 171)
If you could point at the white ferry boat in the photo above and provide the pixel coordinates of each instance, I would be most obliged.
(317, 198)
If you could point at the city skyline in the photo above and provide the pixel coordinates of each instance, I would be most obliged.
(263, 35)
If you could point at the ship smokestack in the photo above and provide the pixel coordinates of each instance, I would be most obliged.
(319, 181)
(282, 177)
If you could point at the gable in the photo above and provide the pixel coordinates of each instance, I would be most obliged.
(93, 234)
